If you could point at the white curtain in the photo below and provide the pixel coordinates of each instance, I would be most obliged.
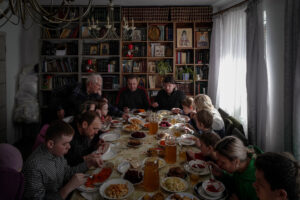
(227, 77)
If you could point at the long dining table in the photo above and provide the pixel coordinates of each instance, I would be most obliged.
(125, 152)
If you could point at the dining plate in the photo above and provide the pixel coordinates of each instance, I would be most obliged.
(136, 120)
(174, 184)
(198, 189)
(119, 185)
(197, 167)
(188, 196)
(131, 127)
(110, 136)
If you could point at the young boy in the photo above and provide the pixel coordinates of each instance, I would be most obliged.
(47, 174)
(205, 142)
(188, 105)
(204, 121)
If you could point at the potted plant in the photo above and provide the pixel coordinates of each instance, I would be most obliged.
(163, 68)
(186, 71)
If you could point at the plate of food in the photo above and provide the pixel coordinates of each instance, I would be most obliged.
(199, 191)
(143, 114)
(131, 127)
(136, 121)
(164, 112)
(138, 111)
(161, 162)
(181, 196)
(152, 152)
(186, 139)
(213, 187)
(98, 176)
(153, 196)
(116, 189)
(162, 143)
(134, 143)
(110, 136)
(164, 124)
(174, 184)
(134, 176)
(138, 135)
(177, 172)
(146, 125)
(198, 167)
(116, 123)
(160, 136)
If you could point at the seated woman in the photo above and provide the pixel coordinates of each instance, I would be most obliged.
(203, 101)
(168, 97)
(11, 178)
(238, 163)
(277, 177)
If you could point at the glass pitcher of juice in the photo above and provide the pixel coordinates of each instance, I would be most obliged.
(151, 176)
(170, 149)
(153, 124)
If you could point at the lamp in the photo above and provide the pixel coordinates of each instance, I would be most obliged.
(109, 29)
(19, 10)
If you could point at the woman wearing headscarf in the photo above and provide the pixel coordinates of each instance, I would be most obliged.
(11, 178)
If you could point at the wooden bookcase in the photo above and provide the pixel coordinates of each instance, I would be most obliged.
(66, 53)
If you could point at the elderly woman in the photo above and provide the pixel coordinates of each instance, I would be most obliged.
(11, 178)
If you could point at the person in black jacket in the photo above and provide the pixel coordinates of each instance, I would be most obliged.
(168, 97)
(132, 96)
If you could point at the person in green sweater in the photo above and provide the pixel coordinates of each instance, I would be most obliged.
(235, 168)
(277, 177)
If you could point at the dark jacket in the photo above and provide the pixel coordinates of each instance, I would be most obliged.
(138, 99)
(80, 146)
(167, 102)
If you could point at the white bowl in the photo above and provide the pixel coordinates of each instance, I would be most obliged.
(216, 185)
(182, 194)
(193, 169)
(116, 181)
(110, 136)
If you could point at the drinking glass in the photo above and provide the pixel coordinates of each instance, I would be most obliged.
(153, 124)
(151, 176)
(170, 149)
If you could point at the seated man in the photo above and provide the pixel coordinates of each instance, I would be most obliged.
(168, 97)
(132, 96)
(47, 174)
(277, 177)
(85, 139)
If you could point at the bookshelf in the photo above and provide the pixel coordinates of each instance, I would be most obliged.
(71, 53)
(162, 43)
(167, 41)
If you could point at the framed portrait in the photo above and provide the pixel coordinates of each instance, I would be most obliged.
(151, 67)
(184, 37)
(136, 35)
(104, 49)
(93, 49)
(159, 51)
(202, 40)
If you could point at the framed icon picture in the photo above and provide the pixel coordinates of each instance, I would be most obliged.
(184, 37)
(202, 40)
(93, 49)
(136, 35)
(104, 49)
(159, 51)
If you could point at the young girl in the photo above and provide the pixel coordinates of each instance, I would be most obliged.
(102, 110)
(205, 142)
(238, 163)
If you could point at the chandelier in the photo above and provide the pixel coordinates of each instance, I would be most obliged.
(54, 17)
(107, 32)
